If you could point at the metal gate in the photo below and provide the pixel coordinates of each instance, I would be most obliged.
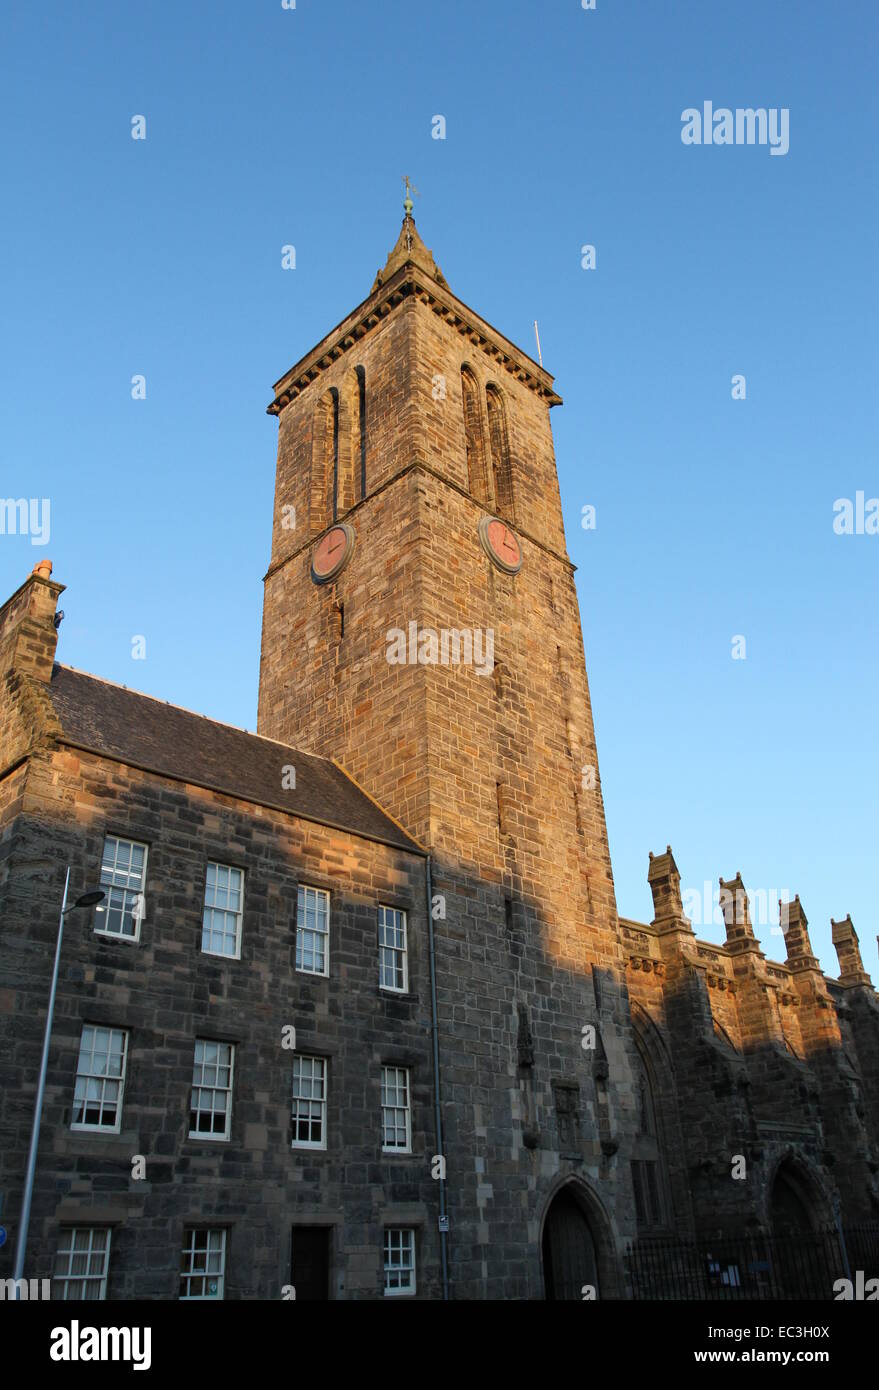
(751, 1266)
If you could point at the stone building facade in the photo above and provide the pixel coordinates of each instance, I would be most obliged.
(382, 1030)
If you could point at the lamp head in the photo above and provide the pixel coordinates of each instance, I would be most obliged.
(89, 899)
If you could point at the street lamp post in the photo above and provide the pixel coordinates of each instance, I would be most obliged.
(87, 900)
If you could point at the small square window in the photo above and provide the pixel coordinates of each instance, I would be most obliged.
(396, 1113)
(392, 954)
(313, 931)
(210, 1111)
(100, 1079)
(123, 874)
(203, 1267)
(81, 1263)
(399, 1256)
(223, 911)
(309, 1102)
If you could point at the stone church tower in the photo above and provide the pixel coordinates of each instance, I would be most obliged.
(418, 523)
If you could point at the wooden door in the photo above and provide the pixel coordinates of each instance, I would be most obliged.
(569, 1260)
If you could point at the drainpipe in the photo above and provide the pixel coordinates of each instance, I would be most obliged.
(438, 1118)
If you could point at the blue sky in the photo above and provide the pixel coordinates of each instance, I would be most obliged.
(268, 126)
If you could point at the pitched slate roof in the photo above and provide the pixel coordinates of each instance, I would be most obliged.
(150, 734)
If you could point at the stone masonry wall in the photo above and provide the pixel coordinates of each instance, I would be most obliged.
(166, 992)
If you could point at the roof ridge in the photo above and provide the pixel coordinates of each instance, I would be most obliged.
(221, 723)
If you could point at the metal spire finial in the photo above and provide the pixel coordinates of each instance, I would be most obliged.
(408, 204)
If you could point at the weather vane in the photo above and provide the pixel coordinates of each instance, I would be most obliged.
(408, 204)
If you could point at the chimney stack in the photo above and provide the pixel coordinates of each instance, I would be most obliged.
(28, 636)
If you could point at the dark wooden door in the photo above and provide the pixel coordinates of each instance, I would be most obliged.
(568, 1251)
(311, 1262)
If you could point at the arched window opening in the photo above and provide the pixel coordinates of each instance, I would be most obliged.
(649, 1183)
(335, 415)
(474, 436)
(646, 1112)
(352, 442)
(324, 461)
(361, 428)
(499, 441)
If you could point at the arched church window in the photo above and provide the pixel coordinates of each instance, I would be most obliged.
(499, 441)
(325, 461)
(648, 1167)
(361, 432)
(351, 446)
(646, 1114)
(474, 437)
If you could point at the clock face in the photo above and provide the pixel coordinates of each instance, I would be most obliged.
(332, 553)
(501, 544)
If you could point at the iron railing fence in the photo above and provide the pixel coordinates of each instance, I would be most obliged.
(751, 1266)
(862, 1247)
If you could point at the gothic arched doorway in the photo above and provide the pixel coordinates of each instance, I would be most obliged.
(804, 1257)
(570, 1259)
(789, 1205)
